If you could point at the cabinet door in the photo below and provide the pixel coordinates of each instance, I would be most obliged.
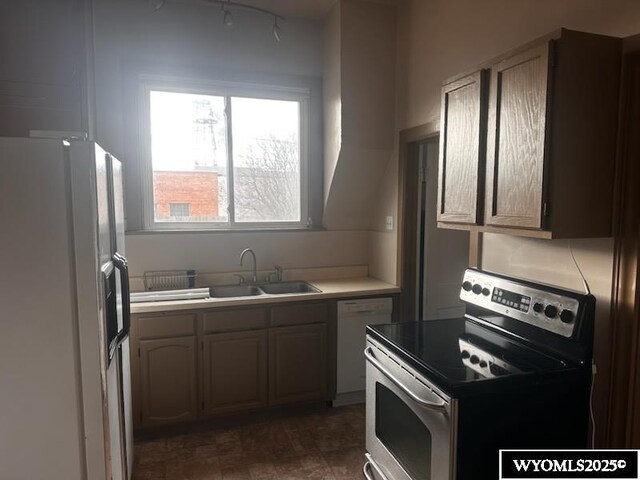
(462, 149)
(516, 139)
(168, 380)
(297, 364)
(235, 371)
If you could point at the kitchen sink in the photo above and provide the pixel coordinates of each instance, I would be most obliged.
(226, 291)
(288, 287)
(229, 291)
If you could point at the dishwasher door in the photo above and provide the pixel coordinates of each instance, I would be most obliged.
(353, 318)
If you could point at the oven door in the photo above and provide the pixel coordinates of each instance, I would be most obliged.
(410, 423)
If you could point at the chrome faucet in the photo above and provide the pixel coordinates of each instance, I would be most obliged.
(254, 277)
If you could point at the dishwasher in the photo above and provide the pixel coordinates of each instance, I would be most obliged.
(353, 318)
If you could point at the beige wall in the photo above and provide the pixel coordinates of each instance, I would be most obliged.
(332, 90)
(367, 76)
(443, 37)
(220, 252)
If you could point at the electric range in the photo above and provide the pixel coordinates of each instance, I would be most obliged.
(444, 396)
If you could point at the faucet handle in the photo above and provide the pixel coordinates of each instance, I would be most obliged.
(241, 279)
(278, 272)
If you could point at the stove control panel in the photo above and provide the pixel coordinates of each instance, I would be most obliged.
(535, 306)
(482, 362)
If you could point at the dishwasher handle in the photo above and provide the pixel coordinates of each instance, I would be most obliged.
(437, 406)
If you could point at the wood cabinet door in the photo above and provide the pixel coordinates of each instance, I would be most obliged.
(235, 371)
(168, 380)
(462, 149)
(517, 139)
(297, 364)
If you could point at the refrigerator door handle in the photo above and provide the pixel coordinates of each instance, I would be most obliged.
(121, 264)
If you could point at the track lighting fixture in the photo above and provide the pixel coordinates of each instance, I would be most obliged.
(227, 17)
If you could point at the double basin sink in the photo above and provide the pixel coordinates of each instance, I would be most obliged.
(225, 291)
(280, 288)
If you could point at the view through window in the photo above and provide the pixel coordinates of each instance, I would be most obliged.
(224, 160)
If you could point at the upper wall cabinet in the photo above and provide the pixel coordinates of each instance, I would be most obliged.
(462, 149)
(550, 140)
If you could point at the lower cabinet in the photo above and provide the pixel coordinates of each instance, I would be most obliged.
(168, 388)
(201, 364)
(297, 363)
(235, 371)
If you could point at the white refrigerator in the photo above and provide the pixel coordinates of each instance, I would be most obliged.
(65, 388)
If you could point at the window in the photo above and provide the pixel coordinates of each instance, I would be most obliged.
(179, 210)
(226, 157)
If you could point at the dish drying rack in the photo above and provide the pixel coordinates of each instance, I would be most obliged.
(169, 280)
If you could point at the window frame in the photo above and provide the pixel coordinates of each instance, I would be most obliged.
(228, 89)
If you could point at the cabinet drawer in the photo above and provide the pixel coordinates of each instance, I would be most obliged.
(166, 326)
(235, 320)
(299, 314)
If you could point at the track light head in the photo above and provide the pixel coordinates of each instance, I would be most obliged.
(276, 29)
(227, 19)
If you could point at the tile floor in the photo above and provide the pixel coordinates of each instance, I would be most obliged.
(319, 443)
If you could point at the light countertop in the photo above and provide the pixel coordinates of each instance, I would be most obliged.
(341, 288)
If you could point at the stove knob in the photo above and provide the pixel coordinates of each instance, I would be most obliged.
(566, 316)
(474, 359)
(483, 364)
(466, 286)
(486, 292)
(465, 354)
(538, 307)
(477, 289)
(551, 311)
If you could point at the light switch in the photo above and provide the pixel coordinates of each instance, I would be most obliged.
(389, 222)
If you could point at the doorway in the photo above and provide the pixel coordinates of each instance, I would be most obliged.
(432, 259)
(443, 254)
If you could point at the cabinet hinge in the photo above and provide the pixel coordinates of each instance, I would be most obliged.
(546, 209)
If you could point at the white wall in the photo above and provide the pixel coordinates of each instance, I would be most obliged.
(441, 38)
(129, 34)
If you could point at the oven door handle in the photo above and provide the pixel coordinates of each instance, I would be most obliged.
(438, 406)
(367, 468)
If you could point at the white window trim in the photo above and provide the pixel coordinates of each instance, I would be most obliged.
(231, 89)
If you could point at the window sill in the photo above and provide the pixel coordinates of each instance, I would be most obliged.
(225, 230)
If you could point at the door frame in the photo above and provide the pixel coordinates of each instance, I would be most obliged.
(409, 164)
(623, 420)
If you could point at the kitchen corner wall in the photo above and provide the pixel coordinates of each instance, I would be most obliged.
(441, 38)
(190, 35)
(360, 76)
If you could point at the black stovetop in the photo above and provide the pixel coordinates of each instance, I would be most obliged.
(434, 348)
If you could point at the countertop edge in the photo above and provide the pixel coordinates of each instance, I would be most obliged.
(343, 288)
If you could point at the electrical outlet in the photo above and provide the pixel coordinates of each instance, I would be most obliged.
(389, 222)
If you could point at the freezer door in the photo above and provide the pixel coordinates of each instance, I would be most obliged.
(124, 311)
(105, 250)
